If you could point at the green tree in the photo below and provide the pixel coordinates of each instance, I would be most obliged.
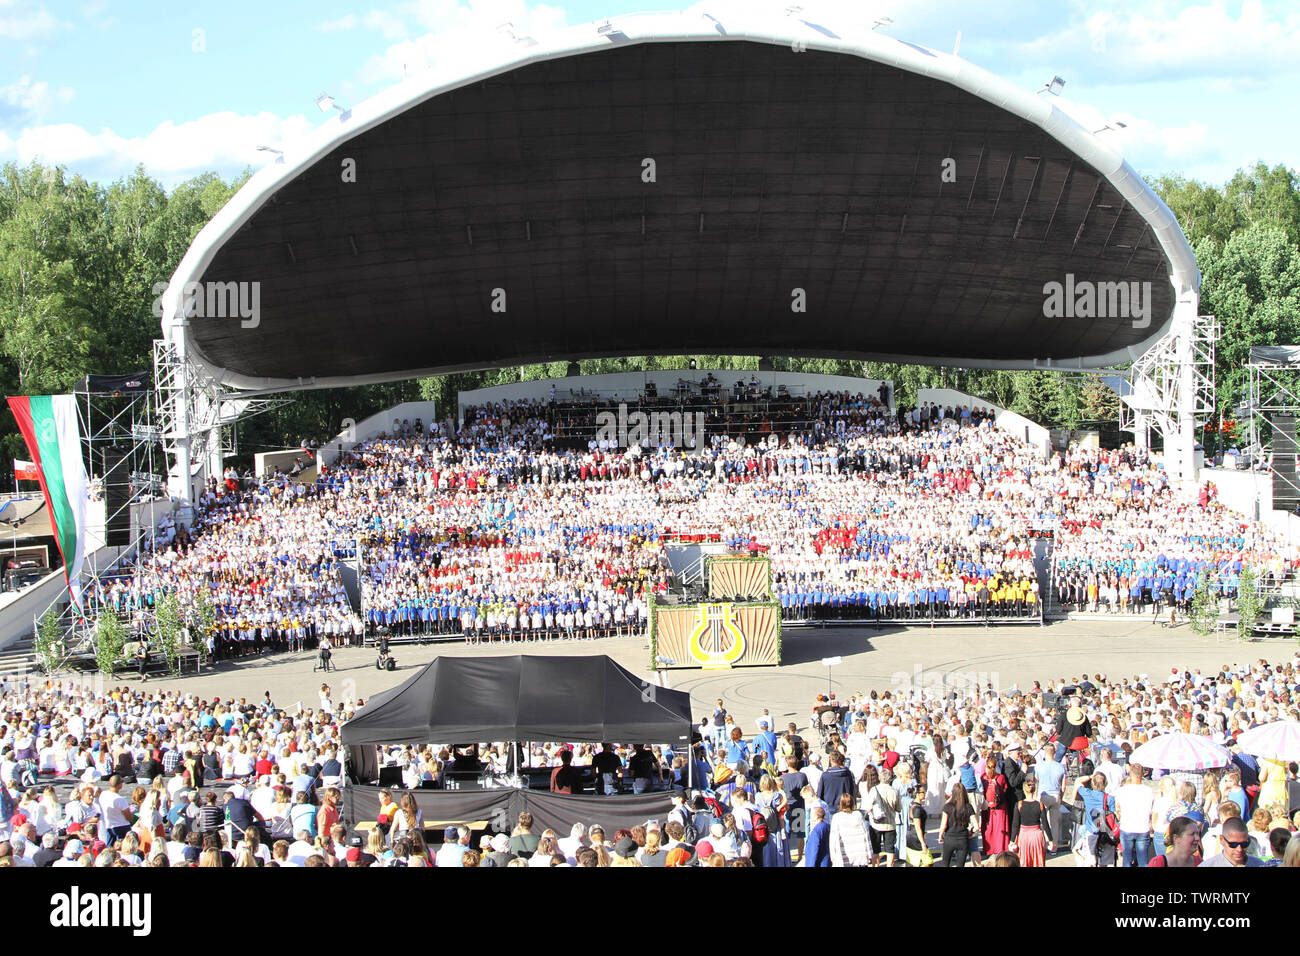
(1205, 605)
(203, 621)
(48, 641)
(1250, 603)
(47, 329)
(1252, 284)
(168, 622)
(110, 639)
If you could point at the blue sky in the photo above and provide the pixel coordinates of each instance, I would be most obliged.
(101, 85)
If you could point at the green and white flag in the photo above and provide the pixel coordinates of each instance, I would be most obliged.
(51, 428)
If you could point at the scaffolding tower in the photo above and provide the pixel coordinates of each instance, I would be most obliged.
(1172, 388)
(175, 432)
(1273, 398)
(121, 414)
(198, 420)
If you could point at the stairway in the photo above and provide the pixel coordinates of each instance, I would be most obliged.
(18, 659)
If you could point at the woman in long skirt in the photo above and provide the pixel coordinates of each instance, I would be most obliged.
(1027, 823)
(997, 821)
(776, 851)
(937, 774)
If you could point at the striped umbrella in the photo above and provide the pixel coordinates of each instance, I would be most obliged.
(1279, 740)
(1180, 751)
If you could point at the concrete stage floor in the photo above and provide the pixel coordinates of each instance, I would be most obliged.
(891, 658)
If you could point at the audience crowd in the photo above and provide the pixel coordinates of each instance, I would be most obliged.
(911, 775)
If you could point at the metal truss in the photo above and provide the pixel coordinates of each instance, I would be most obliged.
(1172, 388)
(1274, 391)
(178, 431)
(198, 418)
(118, 418)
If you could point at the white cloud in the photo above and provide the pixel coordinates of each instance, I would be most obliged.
(23, 20)
(1159, 42)
(388, 25)
(34, 100)
(171, 151)
(340, 25)
(1147, 146)
(94, 11)
(453, 28)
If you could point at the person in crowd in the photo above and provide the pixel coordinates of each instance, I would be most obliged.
(1234, 846)
(957, 824)
(850, 843)
(1027, 822)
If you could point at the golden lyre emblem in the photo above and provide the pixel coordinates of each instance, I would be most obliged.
(716, 641)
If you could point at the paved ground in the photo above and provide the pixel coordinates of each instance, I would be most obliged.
(872, 660)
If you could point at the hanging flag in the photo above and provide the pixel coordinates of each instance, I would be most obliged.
(26, 470)
(53, 434)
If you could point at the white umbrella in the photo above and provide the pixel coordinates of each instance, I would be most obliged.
(1180, 751)
(1279, 740)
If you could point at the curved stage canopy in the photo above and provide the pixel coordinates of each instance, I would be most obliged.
(916, 206)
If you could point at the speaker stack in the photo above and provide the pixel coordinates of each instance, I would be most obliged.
(117, 495)
(1286, 489)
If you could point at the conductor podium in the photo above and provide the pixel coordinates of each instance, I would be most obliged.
(738, 626)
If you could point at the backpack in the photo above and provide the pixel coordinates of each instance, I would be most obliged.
(759, 820)
(883, 810)
(27, 773)
(718, 810)
(968, 779)
(690, 834)
(1109, 823)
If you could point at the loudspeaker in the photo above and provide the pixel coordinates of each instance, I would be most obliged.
(117, 495)
(390, 776)
(1286, 488)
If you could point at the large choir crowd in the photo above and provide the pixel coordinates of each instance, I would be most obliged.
(492, 530)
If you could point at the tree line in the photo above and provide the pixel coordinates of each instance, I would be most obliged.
(79, 262)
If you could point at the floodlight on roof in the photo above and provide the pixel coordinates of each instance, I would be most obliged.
(325, 103)
(611, 33)
(881, 22)
(1115, 126)
(279, 154)
(1054, 86)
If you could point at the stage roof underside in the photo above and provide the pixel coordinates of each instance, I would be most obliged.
(509, 221)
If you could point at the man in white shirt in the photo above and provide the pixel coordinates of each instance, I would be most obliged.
(813, 771)
(723, 842)
(263, 799)
(71, 854)
(1133, 803)
(571, 844)
(300, 849)
(1112, 771)
(455, 844)
(114, 822)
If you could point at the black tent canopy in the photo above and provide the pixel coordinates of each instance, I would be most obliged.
(468, 699)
